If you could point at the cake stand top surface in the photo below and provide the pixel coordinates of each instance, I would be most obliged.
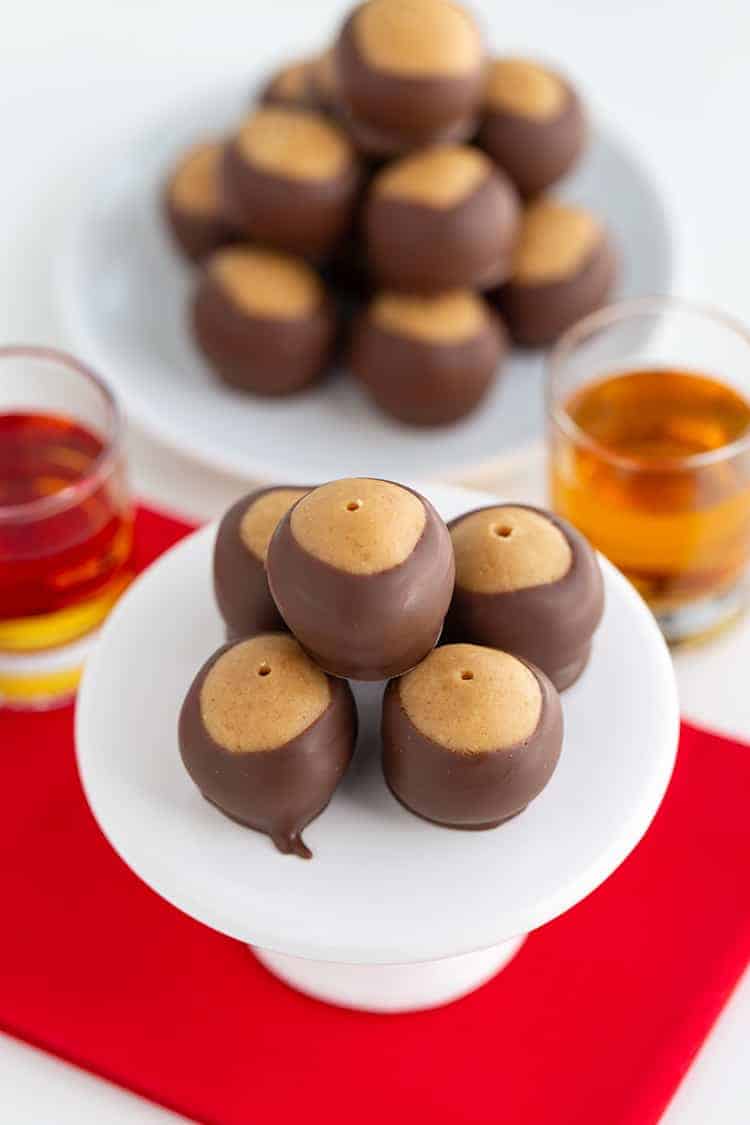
(384, 886)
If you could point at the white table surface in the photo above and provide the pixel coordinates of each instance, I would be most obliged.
(671, 75)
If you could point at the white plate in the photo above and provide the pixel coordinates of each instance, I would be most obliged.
(383, 886)
(124, 295)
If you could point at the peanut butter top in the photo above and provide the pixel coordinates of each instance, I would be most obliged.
(472, 699)
(262, 517)
(508, 548)
(359, 525)
(418, 38)
(261, 693)
(294, 144)
(267, 283)
(555, 242)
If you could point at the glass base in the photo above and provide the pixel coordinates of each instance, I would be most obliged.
(38, 681)
(699, 621)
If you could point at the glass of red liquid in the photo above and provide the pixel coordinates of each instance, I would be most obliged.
(66, 522)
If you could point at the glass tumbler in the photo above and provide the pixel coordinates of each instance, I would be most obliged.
(648, 407)
(66, 522)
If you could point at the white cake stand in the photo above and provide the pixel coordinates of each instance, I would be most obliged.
(393, 913)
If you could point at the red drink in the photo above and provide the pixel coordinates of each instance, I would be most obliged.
(70, 555)
(66, 525)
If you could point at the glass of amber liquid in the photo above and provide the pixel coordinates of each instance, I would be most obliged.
(649, 453)
(66, 527)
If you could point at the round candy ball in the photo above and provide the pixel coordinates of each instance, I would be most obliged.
(528, 583)
(290, 179)
(427, 361)
(193, 203)
(410, 67)
(533, 124)
(263, 320)
(266, 736)
(240, 583)
(470, 736)
(442, 218)
(362, 572)
(565, 267)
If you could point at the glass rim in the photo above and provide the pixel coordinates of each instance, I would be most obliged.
(616, 313)
(102, 465)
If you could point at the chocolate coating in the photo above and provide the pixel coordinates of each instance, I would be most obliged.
(402, 105)
(197, 233)
(535, 153)
(263, 354)
(276, 791)
(364, 626)
(308, 217)
(549, 625)
(538, 313)
(382, 144)
(348, 275)
(419, 248)
(472, 791)
(240, 583)
(323, 81)
(425, 382)
(197, 236)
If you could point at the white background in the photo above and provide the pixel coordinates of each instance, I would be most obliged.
(672, 76)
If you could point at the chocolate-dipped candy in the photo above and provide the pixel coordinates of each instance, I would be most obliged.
(565, 267)
(442, 218)
(528, 583)
(290, 179)
(193, 203)
(427, 360)
(240, 583)
(470, 736)
(263, 320)
(362, 571)
(266, 736)
(290, 85)
(410, 67)
(533, 124)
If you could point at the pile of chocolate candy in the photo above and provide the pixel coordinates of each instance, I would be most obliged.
(385, 203)
(359, 579)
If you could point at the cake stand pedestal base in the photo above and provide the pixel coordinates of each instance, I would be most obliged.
(391, 988)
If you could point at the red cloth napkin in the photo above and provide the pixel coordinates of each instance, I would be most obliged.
(595, 1021)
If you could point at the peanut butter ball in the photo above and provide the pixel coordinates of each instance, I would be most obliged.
(533, 123)
(263, 320)
(427, 361)
(410, 68)
(528, 583)
(441, 218)
(290, 179)
(193, 203)
(266, 736)
(564, 268)
(470, 736)
(362, 572)
(240, 582)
